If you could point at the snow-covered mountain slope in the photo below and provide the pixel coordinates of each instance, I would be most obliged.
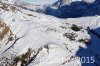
(25, 5)
(32, 7)
(32, 39)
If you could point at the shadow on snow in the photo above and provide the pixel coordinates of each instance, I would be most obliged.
(92, 52)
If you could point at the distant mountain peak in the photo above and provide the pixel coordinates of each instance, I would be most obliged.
(60, 3)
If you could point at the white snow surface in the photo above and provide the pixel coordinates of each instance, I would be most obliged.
(35, 30)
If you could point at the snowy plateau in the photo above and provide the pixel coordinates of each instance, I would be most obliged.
(66, 33)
